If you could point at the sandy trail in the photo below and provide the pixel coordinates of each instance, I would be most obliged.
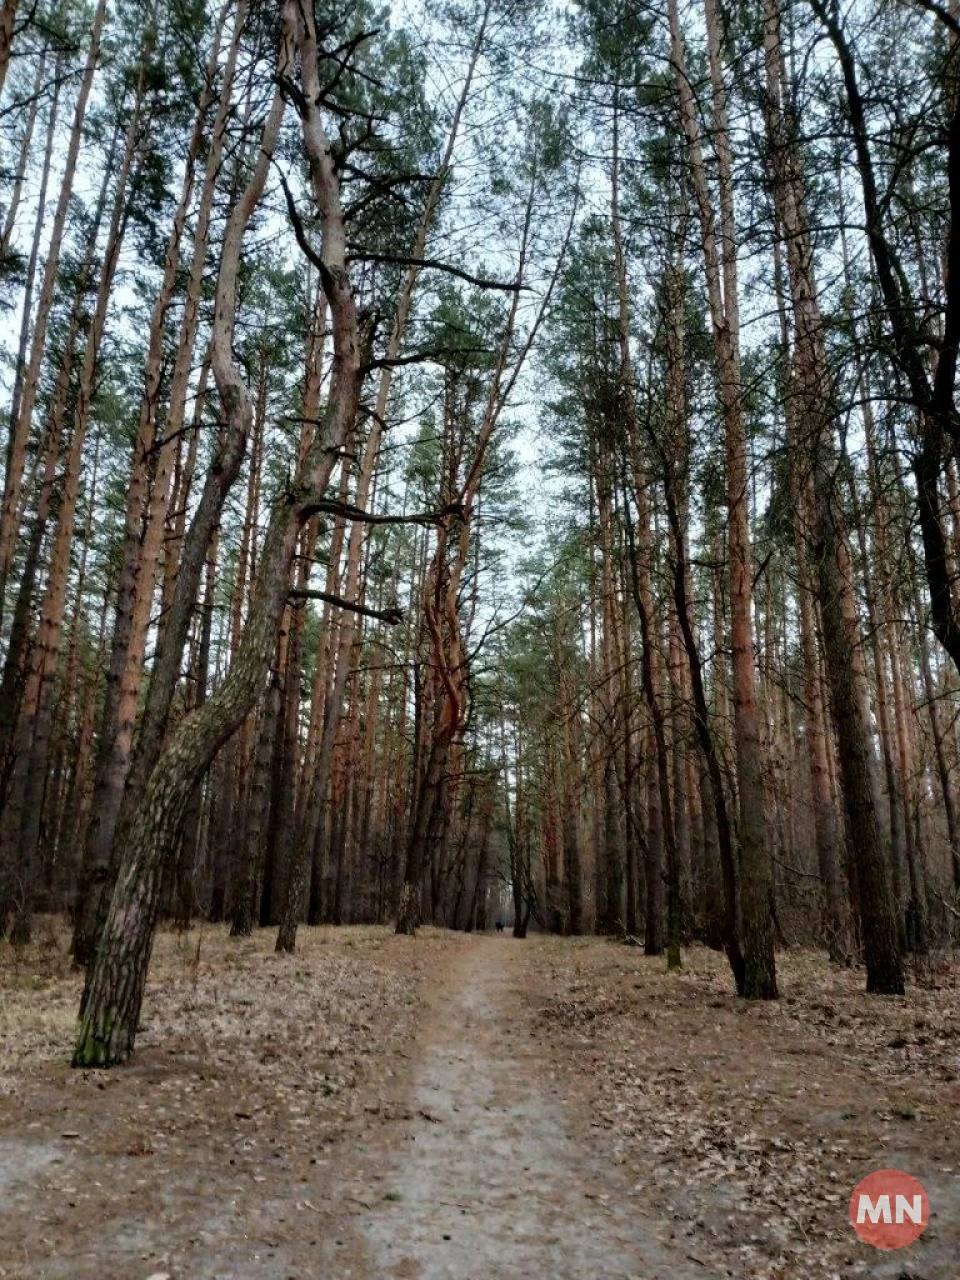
(469, 1108)
(492, 1182)
(373, 1107)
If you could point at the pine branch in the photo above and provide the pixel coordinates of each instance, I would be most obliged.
(331, 506)
(393, 616)
(359, 254)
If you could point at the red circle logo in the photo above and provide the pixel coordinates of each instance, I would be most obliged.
(889, 1209)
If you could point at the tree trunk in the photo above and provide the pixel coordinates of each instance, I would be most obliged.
(8, 16)
(842, 643)
(20, 427)
(13, 206)
(40, 699)
(135, 591)
(721, 269)
(257, 816)
(108, 1026)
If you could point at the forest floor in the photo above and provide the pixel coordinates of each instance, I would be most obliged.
(469, 1108)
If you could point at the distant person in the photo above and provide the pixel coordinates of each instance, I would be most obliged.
(499, 926)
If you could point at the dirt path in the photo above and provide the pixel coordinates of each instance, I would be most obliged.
(492, 1183)
(468, 1108)
(373, 1107)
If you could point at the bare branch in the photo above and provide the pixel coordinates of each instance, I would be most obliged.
(359, 254)
(330, 506)
(393, 616)
(944, 15)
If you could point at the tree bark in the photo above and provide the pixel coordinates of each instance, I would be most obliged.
(109, 1022)
(8, 16)
(40, 694)
(135, 589)
(719, 251)
(842, 641)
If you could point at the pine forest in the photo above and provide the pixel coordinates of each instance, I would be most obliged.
(478, 468)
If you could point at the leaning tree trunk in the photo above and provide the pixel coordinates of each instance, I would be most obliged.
(126, 764)
(641, 558)
(109, 1022)
(116, 735)
(914, 339)
(713, 772)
